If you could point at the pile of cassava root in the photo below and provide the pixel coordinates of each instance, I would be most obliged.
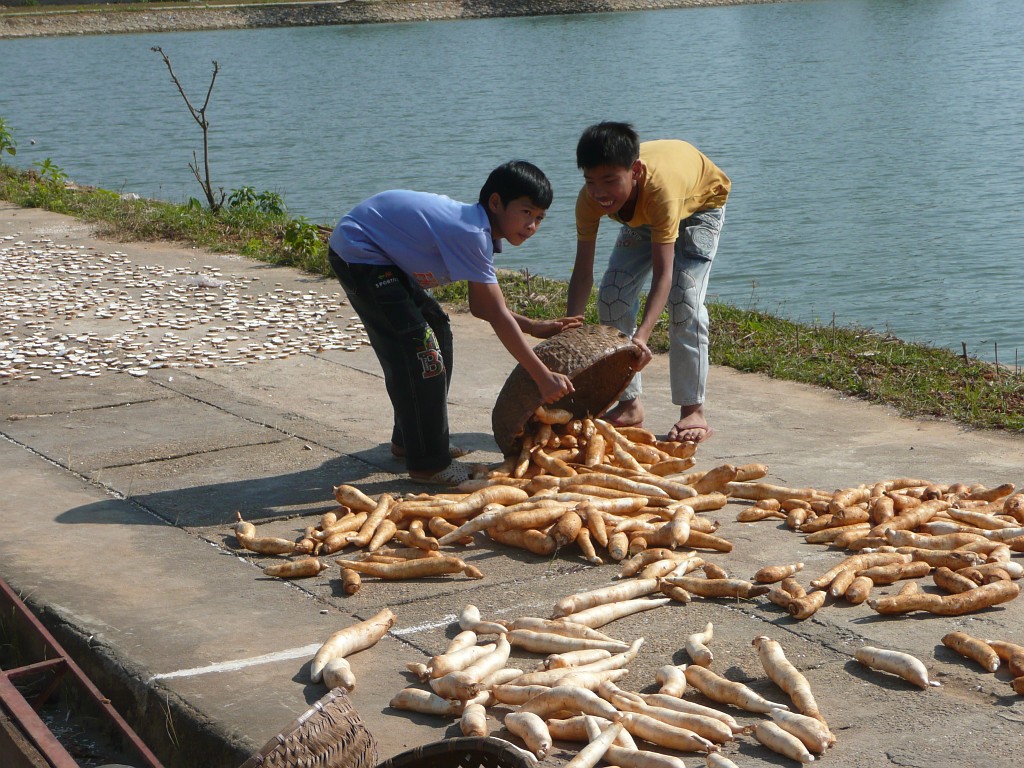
(577, 483)
(618, 493)
(962, 537)
(572, 696)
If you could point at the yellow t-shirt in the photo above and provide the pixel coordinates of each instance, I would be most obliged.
(677, 181)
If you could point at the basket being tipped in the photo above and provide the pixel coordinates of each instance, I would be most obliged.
(598, 358)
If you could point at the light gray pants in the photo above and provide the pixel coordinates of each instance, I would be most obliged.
(629, 270)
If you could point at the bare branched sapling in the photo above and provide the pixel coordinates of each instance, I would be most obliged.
(215, 200)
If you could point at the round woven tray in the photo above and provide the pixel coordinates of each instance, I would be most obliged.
(330, 734)
(463, 752)
(599, 360)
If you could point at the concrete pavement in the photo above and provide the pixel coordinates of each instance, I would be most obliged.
(121, 489)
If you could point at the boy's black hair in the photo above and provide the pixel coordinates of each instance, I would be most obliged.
(608, 143)
(518, 178)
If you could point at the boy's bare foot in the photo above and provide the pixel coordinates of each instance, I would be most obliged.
(626, 413)
(691, 427)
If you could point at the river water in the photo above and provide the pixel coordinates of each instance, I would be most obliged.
(875, 146)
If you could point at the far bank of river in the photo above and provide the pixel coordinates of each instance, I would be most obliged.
(40, 21)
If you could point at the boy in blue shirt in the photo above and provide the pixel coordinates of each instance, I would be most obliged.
(392, 247)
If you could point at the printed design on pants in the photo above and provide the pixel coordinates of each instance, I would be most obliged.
(682, 298)
(385, 279)
(704, 234)
(703, 238)
(615, 297)
(429, 355)
(426, 279)
(627, 238)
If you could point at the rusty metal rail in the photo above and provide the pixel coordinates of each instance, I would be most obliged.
(56, 661)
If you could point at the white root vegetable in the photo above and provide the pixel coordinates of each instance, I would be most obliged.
(474, 525)
(589, 756)
(726, 691)
(611, 594)
(469, 618)
(717, 760)
(439, 666)
(711, 728)
(509, 693)
(532, 729)
(671, 679)
(548, 642)
(901, 664)
(565, 698)
(571, 659)
(600, 615)
(425, 702)
(338, 674)
(696, 647)
(552, 677)
(814, 734)
(784, 743)
(474, 720)
(558, 627)
(463, 639)
(592, 680)
(373, 520)
(466, 683)
(419, 669)
(575, 728)
(664, 735)
(501, 677)
(349, 640)
(627, 757)
(782, 672)
(661, 701)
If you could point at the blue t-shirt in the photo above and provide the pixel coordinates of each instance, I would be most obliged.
(432, 238)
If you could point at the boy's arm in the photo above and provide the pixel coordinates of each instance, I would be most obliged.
(487, 302)
(545, 329)
(662, 255)
(581, 282)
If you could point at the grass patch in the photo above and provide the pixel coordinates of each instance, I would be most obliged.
(917, 380)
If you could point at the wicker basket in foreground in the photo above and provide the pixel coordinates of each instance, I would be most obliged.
(462, 752)
(330, 734)
(599, 360)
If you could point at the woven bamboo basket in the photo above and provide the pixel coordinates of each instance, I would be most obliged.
(599, 360)
(462, 752)
(330, 734)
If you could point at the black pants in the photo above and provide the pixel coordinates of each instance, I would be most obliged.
(412, 338)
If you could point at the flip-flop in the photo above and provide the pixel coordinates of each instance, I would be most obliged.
(452, 475)
(454, 451)
(708, 432)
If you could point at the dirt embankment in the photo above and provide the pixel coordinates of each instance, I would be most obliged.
(37, 22)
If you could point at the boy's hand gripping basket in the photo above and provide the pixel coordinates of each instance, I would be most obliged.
(599, 360)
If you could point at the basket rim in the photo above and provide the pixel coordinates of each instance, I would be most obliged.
(507, 753)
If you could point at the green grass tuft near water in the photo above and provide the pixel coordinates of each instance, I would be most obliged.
(916, 379)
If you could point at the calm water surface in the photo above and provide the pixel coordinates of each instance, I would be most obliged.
(874, 145)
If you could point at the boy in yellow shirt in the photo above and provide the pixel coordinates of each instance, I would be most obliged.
(670, 201)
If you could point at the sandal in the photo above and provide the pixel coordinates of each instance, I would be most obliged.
(452, 475)
(454, 451)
